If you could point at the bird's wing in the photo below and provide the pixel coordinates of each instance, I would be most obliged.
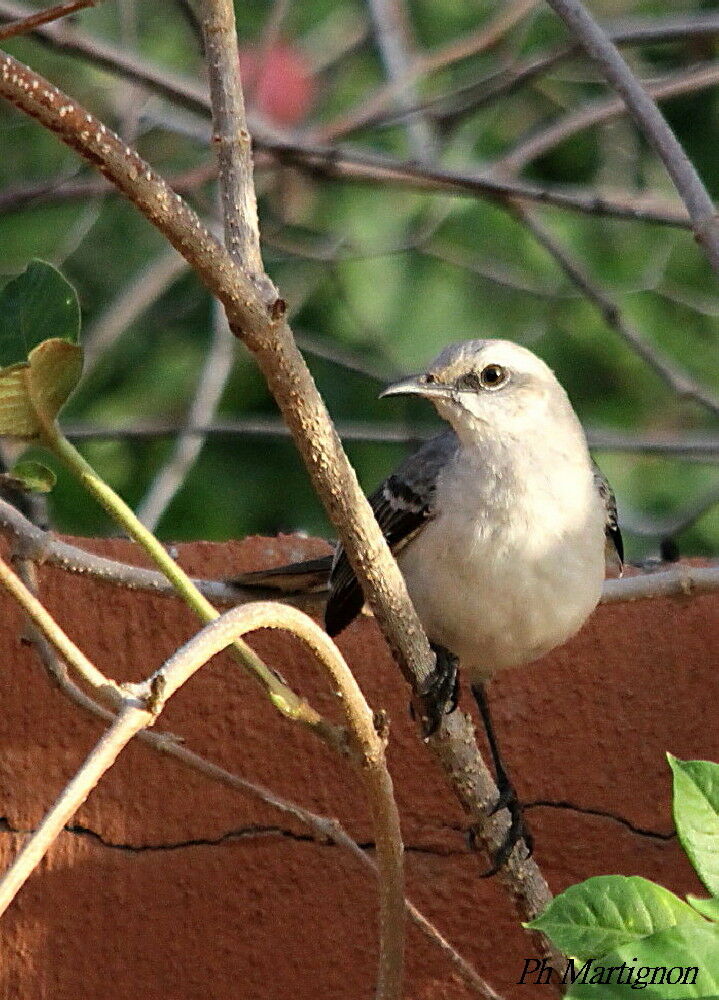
(611, 523)
(402, 505)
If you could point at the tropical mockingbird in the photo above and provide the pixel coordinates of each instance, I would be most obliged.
(502, 526)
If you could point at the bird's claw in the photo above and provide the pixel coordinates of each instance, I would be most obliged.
(517, 831)
(440, 694)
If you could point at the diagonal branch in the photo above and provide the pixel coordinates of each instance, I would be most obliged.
(268, 336)
(25, 24)
(647, 115)
(677, 379)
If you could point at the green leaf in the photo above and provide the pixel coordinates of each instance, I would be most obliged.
(32, 476)
(609, 911)
(34, 392)
(708, 908)
(55, 370)
(17, 414)
(37, 305)
(667, 956)
(696, 816)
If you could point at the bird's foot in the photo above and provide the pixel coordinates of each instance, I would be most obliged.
(440, 694)
(518, 829)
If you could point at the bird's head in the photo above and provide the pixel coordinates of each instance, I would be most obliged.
(490, 386)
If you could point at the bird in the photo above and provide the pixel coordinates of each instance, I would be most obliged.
(502, 525)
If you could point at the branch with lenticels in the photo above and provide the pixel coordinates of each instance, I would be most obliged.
(262, 326)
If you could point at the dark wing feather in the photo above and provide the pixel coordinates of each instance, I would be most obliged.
(611, 525)
(402, 505)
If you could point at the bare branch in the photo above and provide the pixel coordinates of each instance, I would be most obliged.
(187, 447)
(394, 35)
(689, 447)
(231, 137)
(43, 548)
(451, 107)
(684, 386)
(17, 197)
(142, 703)
(26, 24)
(651, 121)
(370, 110)
(687, 81)
(104, 687)
(681, 581)
(369, 750)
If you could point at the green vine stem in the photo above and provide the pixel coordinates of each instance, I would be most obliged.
(281, 696)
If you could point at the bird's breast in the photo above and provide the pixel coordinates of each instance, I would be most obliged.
(506, 571)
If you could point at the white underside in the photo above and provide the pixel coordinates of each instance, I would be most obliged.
(505, 573)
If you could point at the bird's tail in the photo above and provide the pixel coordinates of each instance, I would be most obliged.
(308, 577)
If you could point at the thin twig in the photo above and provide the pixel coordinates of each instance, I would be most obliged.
(43, 548)
(687, 81)
(450, 108)
(210, 386)
(362, 167)
(396, 44)
(106, 689)
(17, 197)
(371, 109)
(668, 527)
(690, 447)
(369, 751)
(681, 581)
(649, 118)
(677, 379)
(26, 24)
(270, 339)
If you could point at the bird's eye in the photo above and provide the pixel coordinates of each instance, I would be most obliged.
(493, 376)
(469, 382)
(429, 378)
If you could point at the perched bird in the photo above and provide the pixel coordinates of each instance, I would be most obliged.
(503, 526)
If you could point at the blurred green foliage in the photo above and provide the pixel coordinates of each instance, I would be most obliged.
(394, 304)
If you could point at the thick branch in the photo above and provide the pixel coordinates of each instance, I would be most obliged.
(270, 339)
(651, 121)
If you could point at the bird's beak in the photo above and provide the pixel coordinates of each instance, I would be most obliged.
(416, 385)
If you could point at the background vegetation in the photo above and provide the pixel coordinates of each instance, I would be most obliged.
(377, 278)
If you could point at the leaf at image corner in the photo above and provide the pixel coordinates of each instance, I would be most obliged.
(38, 305)
(608, 911)
(696, 816)
(708, 908)
(687, 954)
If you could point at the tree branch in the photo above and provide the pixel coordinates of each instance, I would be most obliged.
(25, 24)
(650, 120)
(231, 137)
(687, 81)
(270, 339)
(677, 379)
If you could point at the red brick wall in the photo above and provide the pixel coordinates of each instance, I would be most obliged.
(173, 887)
